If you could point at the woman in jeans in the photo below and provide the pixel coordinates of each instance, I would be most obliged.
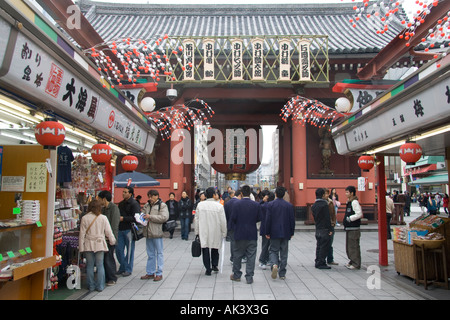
(93, 229)
(185, 206)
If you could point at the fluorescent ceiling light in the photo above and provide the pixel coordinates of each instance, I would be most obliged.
(386, 147)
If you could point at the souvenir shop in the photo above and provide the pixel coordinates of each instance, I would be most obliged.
(61, 133)
(414, 114)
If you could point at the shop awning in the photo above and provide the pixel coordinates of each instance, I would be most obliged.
(435, 179)
(138, 179)
(422, 169)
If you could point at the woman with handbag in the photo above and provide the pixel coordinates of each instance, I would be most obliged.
(93, 229)
(156, 213)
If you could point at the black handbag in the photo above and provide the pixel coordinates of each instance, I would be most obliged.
(137, 231)
(169, 225)
(196, 248)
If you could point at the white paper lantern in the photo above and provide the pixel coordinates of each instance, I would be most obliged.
(343, 105)
(148, 104)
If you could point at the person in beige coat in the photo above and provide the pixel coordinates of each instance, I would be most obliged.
(211, 227)
(93, 229)
(156, 213)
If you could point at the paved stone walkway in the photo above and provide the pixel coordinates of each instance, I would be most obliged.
(185, 279)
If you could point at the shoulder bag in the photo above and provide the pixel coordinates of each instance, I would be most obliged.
(137, 231)
(196, 248)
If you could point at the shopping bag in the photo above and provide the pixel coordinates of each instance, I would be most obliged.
(196, 248)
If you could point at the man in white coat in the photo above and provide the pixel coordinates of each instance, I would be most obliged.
(211, 226)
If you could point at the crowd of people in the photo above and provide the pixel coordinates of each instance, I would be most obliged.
(239, 216)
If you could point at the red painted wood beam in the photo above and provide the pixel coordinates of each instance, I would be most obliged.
(377, 67)
(86, 36)
(382, 219)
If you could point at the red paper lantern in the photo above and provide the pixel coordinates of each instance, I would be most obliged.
(366, 162)
(101, 153)
(130, 163)
(50, 134)
(245, 158)
(410, 152)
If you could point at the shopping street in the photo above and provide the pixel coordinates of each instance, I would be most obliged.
(184, 276)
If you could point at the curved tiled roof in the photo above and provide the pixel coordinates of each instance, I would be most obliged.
(114, 21)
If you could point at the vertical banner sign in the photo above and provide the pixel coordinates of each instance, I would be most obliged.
(361, 184)
(189, 46)
(208, 59)
(304, 63)
(237, 46)
(285, 60)
(257, 46)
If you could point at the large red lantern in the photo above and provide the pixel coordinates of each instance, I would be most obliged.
(366, 162)
(101, 153)
(50, 134)
(410, 152)
(130, 163)
(241, 151)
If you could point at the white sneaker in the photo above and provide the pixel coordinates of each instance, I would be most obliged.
(274, 271)
(262, 266)
(350, 267)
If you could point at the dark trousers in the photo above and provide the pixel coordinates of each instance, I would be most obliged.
(330, 256)
(388, 223)
(323, 239)
(210, 260)
(244, 248)
(110, 264)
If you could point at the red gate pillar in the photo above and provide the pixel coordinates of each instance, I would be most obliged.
(299, 174)
(382, 221)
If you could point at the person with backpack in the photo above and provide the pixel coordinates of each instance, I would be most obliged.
(156, 213)
(432, 205)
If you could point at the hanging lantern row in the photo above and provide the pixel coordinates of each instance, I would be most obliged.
(410, 152)
(303, 110)
(130, 163)
(366, 162)
(50, 133)
(137, 57)
(181, 116)
(381, 15)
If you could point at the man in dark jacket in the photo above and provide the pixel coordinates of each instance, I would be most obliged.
(324, 230)
(128, 208)
(244, 216)
(280, 227)
(185, 209)
(228, 206)
(112, 212)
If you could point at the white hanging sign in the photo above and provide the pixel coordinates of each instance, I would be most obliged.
(285, 60)
(258, 57)
(189, 46)
(237, 71)
(304, 62)
(208, 59)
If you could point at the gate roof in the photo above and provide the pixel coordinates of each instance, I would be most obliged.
(145, 21)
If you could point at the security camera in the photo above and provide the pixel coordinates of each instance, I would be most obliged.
(171, 94)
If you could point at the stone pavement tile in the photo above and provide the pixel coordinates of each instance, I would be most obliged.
(184, 277)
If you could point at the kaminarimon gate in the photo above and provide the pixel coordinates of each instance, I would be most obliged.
(246, 62)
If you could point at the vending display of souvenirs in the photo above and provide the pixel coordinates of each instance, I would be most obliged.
(426, 221)
(86, 174)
